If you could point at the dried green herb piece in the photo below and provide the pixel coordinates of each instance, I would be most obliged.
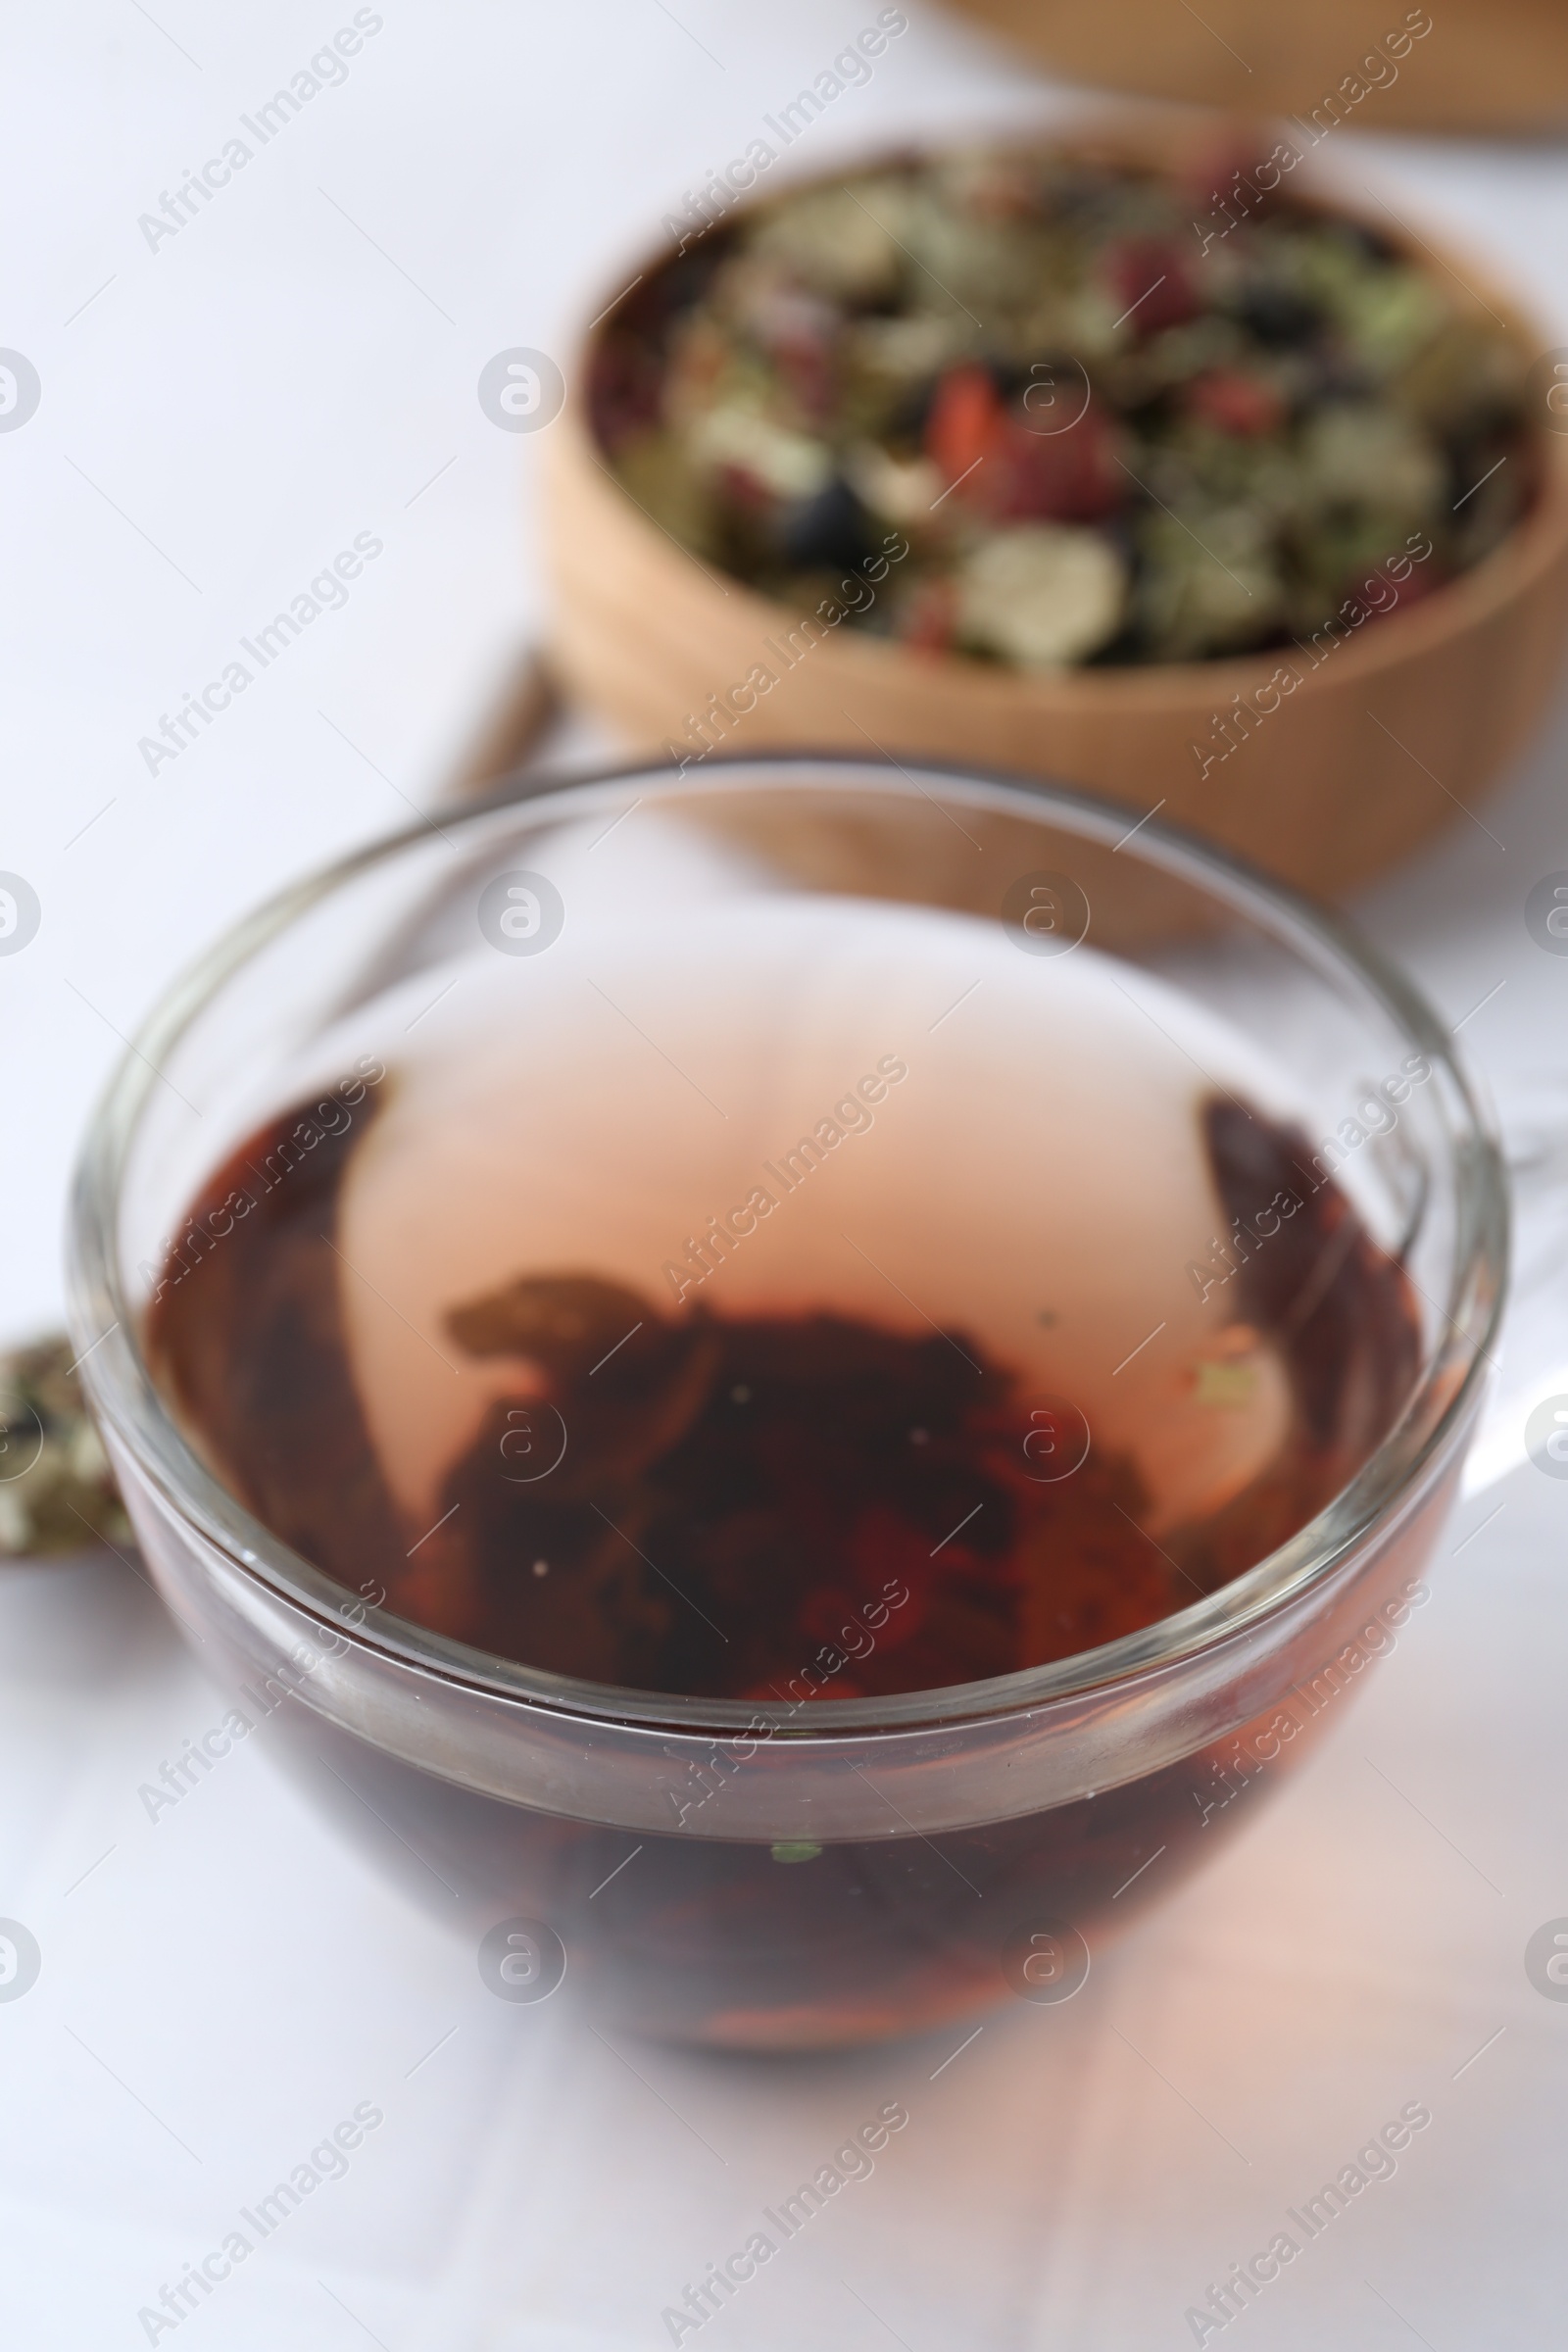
(57, 1491)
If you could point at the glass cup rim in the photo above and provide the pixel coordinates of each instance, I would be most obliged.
(123, 1393)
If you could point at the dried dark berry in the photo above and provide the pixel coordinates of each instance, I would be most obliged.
(1277, 315)
(829, 532)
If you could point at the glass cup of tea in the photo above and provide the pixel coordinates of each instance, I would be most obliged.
(795, 1384)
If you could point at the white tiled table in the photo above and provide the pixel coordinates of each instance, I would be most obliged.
(221, 1987)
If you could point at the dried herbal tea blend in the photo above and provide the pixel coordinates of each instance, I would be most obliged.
(1046, 411)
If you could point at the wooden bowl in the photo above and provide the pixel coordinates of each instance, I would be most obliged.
(1497, 67)
(1327, 782)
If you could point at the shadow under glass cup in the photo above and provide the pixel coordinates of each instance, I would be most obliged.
(753, 1871)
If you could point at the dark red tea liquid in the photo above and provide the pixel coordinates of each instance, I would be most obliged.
(784, 1509)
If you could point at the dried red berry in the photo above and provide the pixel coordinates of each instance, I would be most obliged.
(1152, 281)
(1070, 477)
(1247, 406)
(965, 422)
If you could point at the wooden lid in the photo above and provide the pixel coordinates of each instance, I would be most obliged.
(1501, 67)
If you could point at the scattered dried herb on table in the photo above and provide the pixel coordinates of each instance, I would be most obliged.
(57, 1492)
